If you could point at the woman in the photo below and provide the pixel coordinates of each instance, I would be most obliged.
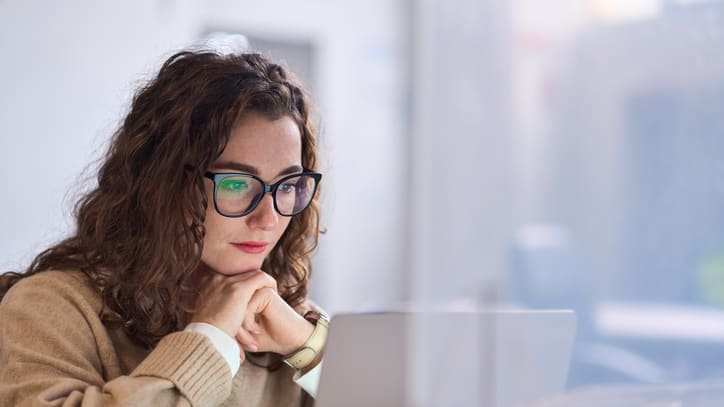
(193, 249)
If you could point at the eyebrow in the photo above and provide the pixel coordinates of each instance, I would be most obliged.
(255, 171)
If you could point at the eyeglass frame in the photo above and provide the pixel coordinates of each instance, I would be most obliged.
(267, 188)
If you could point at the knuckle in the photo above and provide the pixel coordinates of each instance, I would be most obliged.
(265, 279)
(270, 280)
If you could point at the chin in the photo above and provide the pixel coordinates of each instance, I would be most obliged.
(233, 272)
(241, 267)
(232, 263)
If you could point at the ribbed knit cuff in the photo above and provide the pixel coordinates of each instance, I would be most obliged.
(190, 361)
(225, 344)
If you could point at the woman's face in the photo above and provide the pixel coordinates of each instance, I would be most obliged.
(268, 149)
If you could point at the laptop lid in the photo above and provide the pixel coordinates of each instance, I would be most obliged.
(484, 358)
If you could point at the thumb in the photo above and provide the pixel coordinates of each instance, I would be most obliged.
(259, 305)
(260, 300)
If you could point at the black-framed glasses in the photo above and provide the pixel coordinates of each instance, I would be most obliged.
(238, 194)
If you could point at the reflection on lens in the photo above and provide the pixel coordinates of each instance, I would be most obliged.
(294, 194)
(236, 194)
(286, 194)
(304, 193)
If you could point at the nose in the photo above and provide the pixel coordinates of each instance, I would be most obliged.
(264, 216)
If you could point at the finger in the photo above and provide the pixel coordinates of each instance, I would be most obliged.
(247, 341)
(272, 281)
(256, 278)
(250, 286)
(243, 276)
(242, 355)
(260, 301)
(250, 325)
(261, 279)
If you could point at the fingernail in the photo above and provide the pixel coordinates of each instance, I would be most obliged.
(252, 347)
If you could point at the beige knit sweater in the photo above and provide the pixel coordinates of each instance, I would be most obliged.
(55, 351)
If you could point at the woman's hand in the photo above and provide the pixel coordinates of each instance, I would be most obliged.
(223, 301)
(248, 308)
(273, 324)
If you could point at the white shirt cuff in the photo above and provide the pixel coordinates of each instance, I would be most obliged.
(226, 345)
(310, 381)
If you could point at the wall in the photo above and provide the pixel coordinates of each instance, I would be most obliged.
(68, 72)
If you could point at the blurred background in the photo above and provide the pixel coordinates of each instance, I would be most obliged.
(545, 154)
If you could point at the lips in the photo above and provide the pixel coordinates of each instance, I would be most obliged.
(251, 247)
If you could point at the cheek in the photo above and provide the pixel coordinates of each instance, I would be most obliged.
(214, 226)
(283, 226)
(216, 240)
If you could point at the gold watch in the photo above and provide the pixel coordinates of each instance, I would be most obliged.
(313, 347)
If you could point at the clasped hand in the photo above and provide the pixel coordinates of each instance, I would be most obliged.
(248, 307)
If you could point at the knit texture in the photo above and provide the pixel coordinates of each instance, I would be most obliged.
(55, 350)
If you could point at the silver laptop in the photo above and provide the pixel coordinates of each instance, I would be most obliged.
(501, 358)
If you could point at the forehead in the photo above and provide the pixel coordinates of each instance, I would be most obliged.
(264, 143)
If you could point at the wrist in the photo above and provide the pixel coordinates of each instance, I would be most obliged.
(310, 352)
(302, 333)
(216, 324)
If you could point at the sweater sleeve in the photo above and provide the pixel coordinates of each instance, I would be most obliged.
(51, 344)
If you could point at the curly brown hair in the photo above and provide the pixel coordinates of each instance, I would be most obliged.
(138, 239)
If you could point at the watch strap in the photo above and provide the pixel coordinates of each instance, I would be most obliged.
(313, 347)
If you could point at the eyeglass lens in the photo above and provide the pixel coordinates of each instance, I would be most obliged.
(239, 194)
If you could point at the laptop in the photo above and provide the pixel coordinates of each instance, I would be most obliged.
(497, 358)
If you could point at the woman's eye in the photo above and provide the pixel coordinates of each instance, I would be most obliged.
(288, 188)
(233, 185)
